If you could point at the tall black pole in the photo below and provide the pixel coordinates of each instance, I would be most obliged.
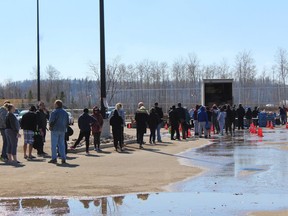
(38, 55)
(102, 59)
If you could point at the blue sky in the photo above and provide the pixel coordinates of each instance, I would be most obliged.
(162, 30)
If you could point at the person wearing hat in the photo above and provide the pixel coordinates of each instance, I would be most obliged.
(3, 114)
(141, 118)
(29, 126)
(97, 127)
(85, 121)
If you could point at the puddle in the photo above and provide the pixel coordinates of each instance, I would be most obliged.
(243, 175)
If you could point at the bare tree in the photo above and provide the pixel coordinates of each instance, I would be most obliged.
(245, 72)
(282, 67)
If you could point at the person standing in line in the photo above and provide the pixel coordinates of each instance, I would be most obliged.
(116, 122)
(97, 128)
(29, 126)
(12, 134)
(173, 121)
(203, 121)
(234, 115)
(42, 118)
(191, 113)
(182, 119)
(255, 113)
(248, 116)
(229, 120)
(159, 111)
(141, 118)
(195, 120)
(187, 122)
(119, 108)
(215, 112)
(240, 115)
(85, 121)
(3, 114)
(153, 122)
(58, 124)
(283, 115)
(209, 115)
(140, 104)
(221, 119)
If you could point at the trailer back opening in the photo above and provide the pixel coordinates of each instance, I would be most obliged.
(217, 91)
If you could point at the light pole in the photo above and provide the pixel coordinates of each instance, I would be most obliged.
(38, 55)
(102, 59)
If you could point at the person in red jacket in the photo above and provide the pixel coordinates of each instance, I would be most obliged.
(97, 127)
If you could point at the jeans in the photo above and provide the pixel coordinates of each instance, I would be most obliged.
(58, 139)
(202, 126)
(221, 126)
(12, 141)
(196, 127)
(158, 132)
(4, 147)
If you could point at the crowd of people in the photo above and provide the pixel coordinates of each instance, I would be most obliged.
(218, 119)
(204, 119)
(34, 120)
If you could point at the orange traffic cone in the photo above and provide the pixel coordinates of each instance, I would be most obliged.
(212, 128)
(271, 125)
(129, 125)
(189, 132)
(253, 130)
(166, 126)
(268, 124)
(260, 132)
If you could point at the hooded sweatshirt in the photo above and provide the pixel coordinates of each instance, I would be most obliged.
(202, 115)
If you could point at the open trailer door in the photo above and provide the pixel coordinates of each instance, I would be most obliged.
(217, 91)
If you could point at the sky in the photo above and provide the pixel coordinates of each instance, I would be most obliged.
(157, 30)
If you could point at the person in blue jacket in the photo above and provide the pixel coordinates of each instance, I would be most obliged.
(202, 121)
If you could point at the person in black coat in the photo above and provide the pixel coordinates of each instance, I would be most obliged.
(84, 123)
(248, 116)
(240, 115)
(141, 118)
(255, 113)
(174, 123)
(29, 126)
(153, 122)
(116, 122)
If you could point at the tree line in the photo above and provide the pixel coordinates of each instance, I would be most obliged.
(150, 81)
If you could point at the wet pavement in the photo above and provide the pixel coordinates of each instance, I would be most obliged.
(243, 173)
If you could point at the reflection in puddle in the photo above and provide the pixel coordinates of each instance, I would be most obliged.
(63, 206)
(265, 166)
(244, 175)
